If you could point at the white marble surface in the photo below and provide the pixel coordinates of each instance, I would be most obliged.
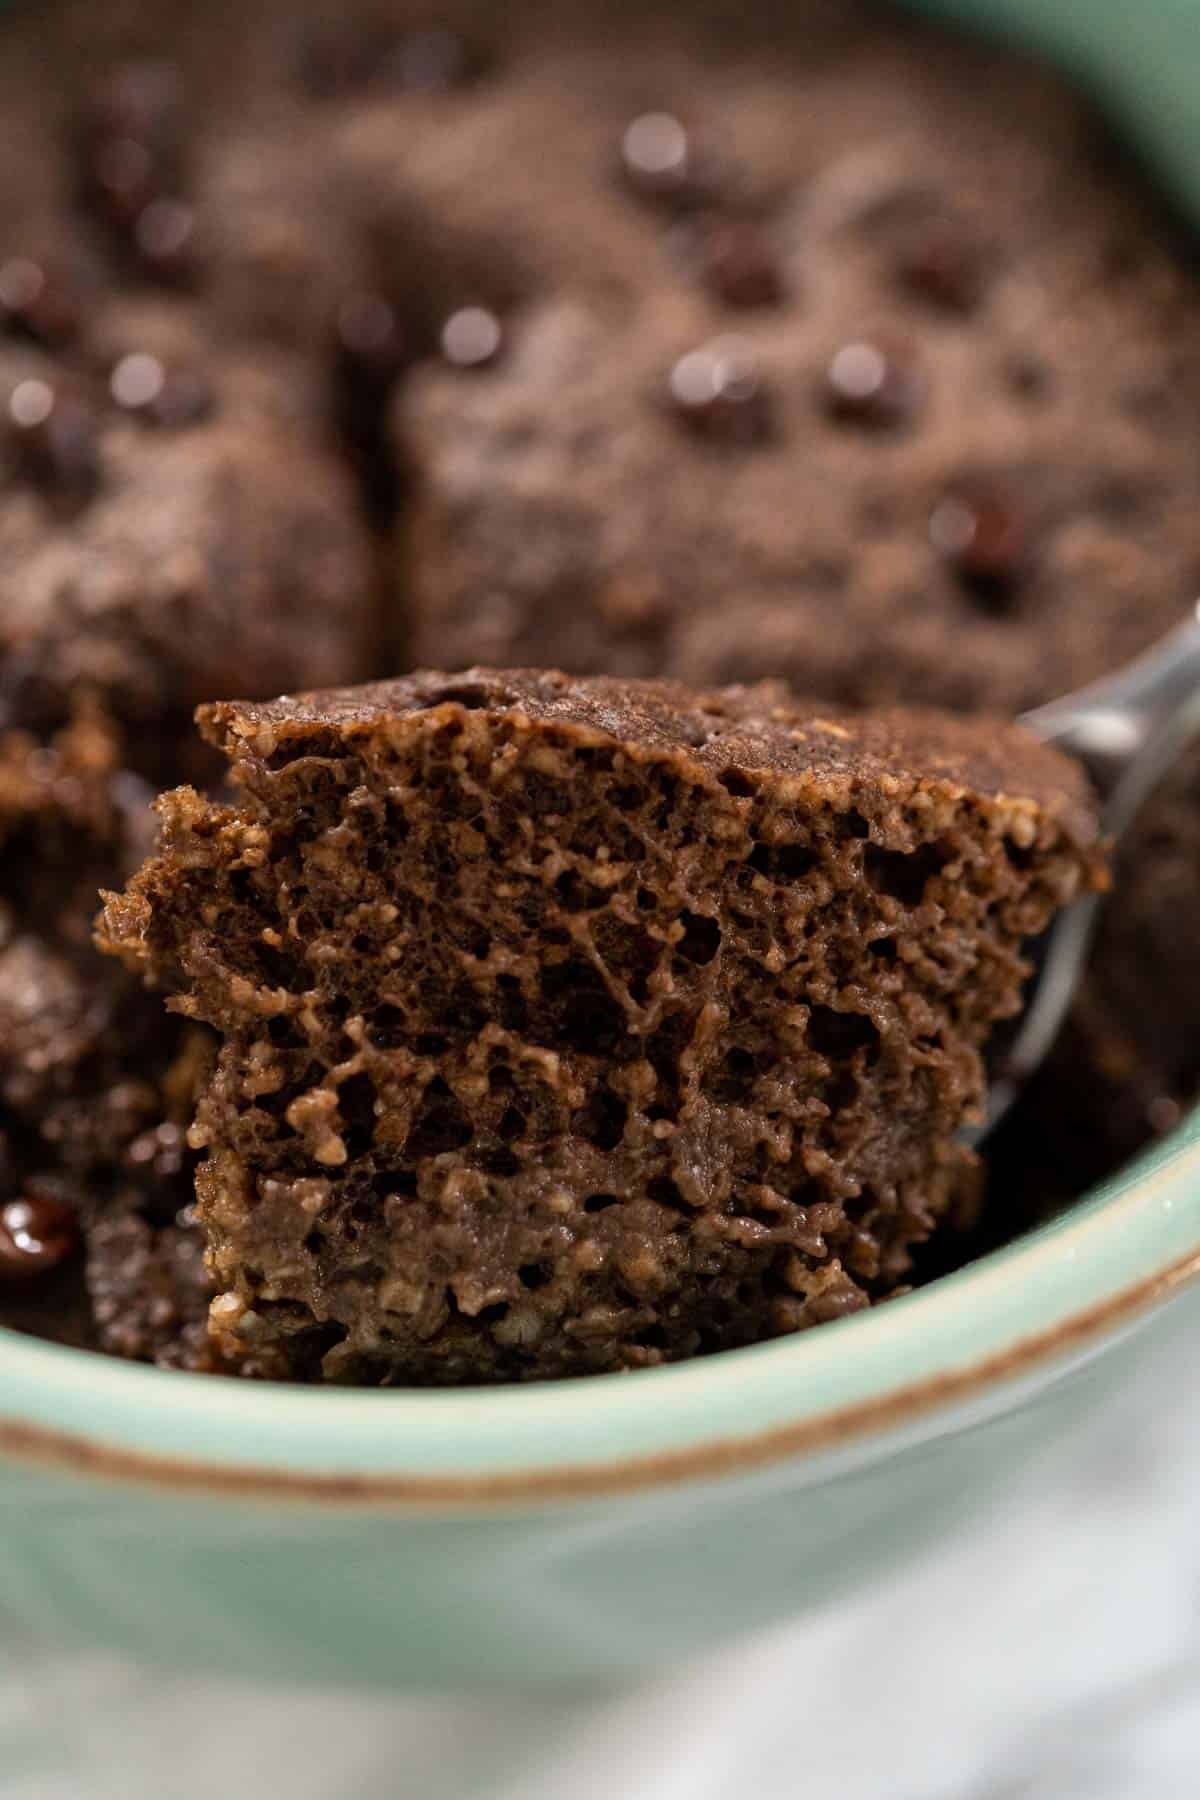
(1053, 1654)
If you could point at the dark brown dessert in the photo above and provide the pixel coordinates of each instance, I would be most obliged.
(97, 1083)
(900, 369)
(929, 457)
(78, 1042)
(149, 1290)
(167, 534)
(327, 345)
(578, 1025)
(174, 524)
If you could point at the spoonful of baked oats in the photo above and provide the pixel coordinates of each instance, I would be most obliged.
(571, 1025)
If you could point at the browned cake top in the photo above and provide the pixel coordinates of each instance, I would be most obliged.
(575, 1024)
(728, 730)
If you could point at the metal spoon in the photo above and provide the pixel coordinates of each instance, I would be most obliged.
(1127, 730)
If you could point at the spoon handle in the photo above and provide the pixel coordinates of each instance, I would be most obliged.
(1128, 728)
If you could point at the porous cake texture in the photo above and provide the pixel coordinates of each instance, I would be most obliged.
(573, 1025)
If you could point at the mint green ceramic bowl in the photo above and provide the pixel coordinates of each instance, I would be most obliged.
(590, 1530)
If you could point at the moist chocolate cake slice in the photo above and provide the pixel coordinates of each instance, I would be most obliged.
(574, 1025)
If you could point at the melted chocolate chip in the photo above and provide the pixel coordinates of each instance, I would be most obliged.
(982, 532)
(52, 432)
(158, 394)
(187, 396)
(938, 263)
(38, 302)
(739, 265)
(669, 163)
(37, 1235)
(1029, 375)
(372, 347)
(369, 329)
(871, 383)
(719, 393)
(472, 338)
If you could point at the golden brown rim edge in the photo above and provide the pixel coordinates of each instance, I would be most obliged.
(76, 1455)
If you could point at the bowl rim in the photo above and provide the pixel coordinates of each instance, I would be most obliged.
(1059, 1292)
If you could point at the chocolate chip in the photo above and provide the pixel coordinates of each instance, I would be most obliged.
(654, 153)
(739, 265)
(37, 302)
(52, 431)
(982, 532)
(187, 397)
(164, 240)
(158, 394)
(372, 346)
(1029, 375)
(37, 1235)
(136, 381)
(719, 393)
(871, 383)
(367, 328)
(938, 263)
(667, 162)
(471, 337)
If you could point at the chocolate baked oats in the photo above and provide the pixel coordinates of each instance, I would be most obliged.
(899, 375)
(167, 534)
(801, 341)
(572, 1025)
